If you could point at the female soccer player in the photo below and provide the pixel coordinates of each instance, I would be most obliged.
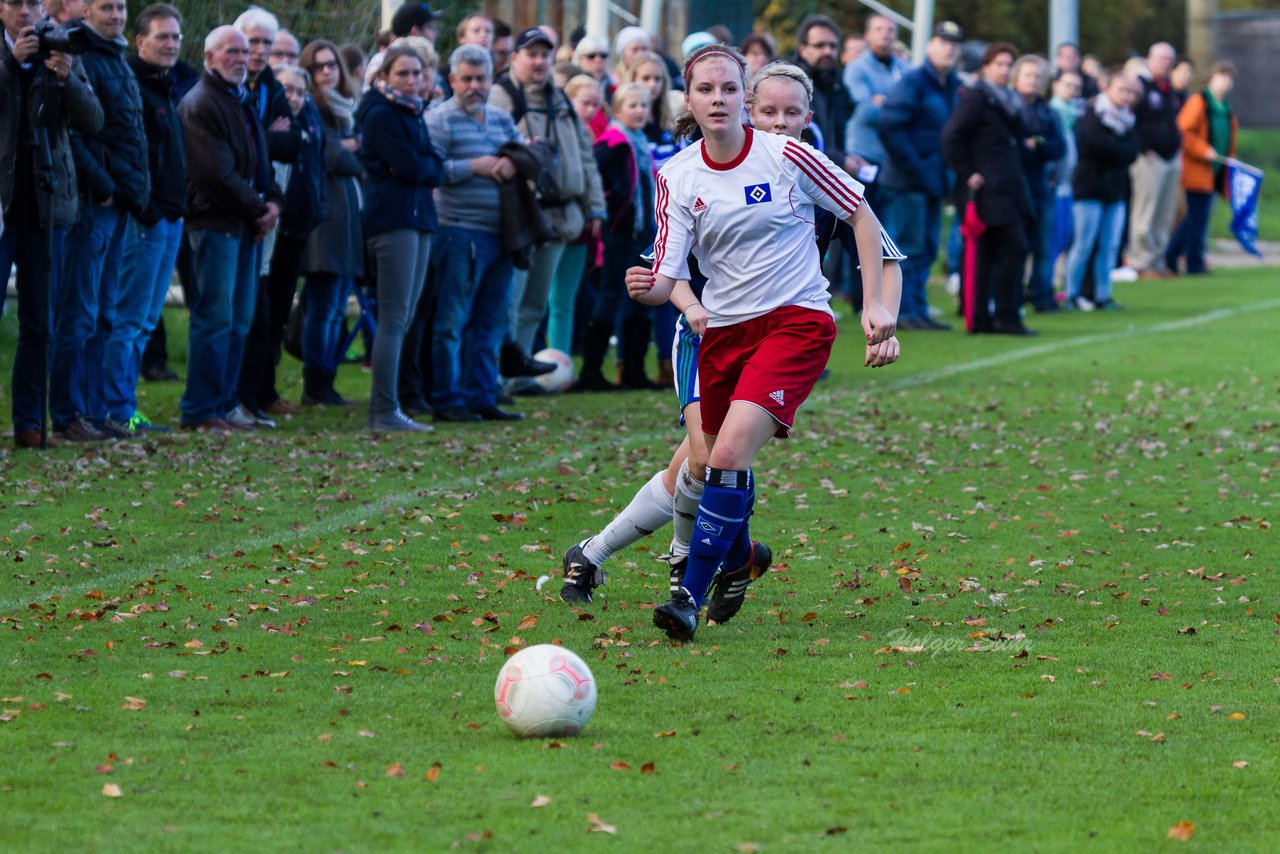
(773, 326)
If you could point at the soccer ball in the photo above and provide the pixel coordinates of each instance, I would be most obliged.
(562, 377)
(545, 691)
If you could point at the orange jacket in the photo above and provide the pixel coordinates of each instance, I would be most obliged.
(1193, 121)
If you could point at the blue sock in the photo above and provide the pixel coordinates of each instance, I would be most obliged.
(740, 549)
(720, 515)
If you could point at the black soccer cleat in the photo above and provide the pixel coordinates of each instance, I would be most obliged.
(580, 577)
(678, 617)
(729, 589)
(678, 564)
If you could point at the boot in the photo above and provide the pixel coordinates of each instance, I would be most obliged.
(635, 346)
(666, 374)
(595, 343)
(313, 386)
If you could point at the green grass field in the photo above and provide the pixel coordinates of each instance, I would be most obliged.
(1025, 595)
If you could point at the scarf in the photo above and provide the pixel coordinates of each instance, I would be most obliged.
(1031, 123)
(1067, 111)
(1119, 120)
(412, 103)
(343, 110)
(1002, 95)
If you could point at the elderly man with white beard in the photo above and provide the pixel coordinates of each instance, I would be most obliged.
(474, 273)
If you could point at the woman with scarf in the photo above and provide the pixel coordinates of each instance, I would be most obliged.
(1068, 107)
(401, 167)
(622, 155)
(1042, 146)
(983, 141)
(1208, 136)
(1106, 145)
(333, 256)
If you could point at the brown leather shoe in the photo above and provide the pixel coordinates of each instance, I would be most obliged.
(209, 425)
(280, 406)
(30, 438)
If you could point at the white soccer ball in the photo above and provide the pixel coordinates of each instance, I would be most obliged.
(562, 377)
(544, 691)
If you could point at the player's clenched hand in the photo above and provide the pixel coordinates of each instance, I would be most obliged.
(639, 281)
(878, 324)
(696, 316)
(884, 353)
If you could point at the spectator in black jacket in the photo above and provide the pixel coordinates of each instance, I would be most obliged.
(982, 142)
(152, 236)
(232, 204)
(1157, 170)
(260, 29)
(818, 55)
(1106, 145)
(59, 91)
(115, 181)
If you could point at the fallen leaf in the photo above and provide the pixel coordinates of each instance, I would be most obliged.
(433, 773)
(527, 623)
(111, 790)
(1239, 763)
(619, 766)
(134, 704)
(1236, 716)
(668, 734)
(648, 768)
(1182, 831)
(540, 801)
(395, 770)
(747, 848)
(1160, 677)
(598, 826)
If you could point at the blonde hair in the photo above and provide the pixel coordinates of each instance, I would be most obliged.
(685, 123)
(781, 69)
(661, 105)
(578, 82)
(626, 90)
(423, 47)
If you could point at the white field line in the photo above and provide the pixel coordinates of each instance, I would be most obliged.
(362, 511)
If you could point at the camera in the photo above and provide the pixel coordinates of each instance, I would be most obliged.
(52, 37)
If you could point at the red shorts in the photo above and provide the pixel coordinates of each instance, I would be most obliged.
(772, 361)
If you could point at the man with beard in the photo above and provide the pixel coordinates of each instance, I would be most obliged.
(817, 52)
(475, 273)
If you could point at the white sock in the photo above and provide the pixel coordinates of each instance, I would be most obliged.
(688, 497)
(647, 512)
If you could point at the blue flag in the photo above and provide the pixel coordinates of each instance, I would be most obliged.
(1245, 183)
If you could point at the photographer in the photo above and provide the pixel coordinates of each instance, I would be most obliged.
(41, 94)
(114, 181)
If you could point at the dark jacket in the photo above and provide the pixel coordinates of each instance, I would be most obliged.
(400, 166)
(523, 224)
(336, 245)
(832, 107)
(1157, 113)
(166, 153)
(911, 122)
(1041, 122)
(228, 180)
(304, 200)
(112, 163)
(72, 105)
(983, 137)
(1103, 171)
(618, 174)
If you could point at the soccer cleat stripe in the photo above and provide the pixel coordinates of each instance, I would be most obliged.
(839, 192)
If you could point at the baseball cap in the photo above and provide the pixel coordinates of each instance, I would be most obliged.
(412, 15)
(949, 30)
(532, 36)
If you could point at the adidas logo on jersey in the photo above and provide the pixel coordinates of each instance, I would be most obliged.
(777, 396)
(699, 205)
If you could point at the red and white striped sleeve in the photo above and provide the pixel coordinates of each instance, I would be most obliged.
(674, 238)
(826, 184)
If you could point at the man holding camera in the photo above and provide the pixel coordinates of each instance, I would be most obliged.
(115, 181)
(42, 93)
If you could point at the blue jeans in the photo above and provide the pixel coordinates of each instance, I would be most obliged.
(1189, 238)
(1040, 286)
(471, 317)
(1100, 223)
(322, 326)
(914, 221)
(150, 252)
(85, 314)
(227, 291)
(563, 297)
(23, 244)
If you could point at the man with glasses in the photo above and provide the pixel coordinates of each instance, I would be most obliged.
(35, 193)
(817, 53)
(114, 179)
(285, 50)
(260, 28)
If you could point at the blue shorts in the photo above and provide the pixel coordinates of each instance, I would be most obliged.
(684, 361)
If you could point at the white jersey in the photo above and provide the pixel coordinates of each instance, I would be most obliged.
(750, 224)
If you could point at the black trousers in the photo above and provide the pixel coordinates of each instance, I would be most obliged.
(266, 335)
(1002, 261)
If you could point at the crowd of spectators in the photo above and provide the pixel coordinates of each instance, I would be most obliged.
(481, 206)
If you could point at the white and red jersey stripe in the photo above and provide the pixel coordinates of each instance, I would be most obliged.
(749, 223)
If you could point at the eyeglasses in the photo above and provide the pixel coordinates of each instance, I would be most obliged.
(824, 45)
(284, 54)
(260, 42)
(331, 65)
(295, 90)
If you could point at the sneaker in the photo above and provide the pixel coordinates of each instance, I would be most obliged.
(678, 564)
(397, 422)
(117, 429)
(1084, 304)
(581, 576)
(140, 423)
(729, 589)
(1124, 274)
(80, 430)
(260, 418)
(1110, 305)
(678, 617)
(240, 419)
(952, 284)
